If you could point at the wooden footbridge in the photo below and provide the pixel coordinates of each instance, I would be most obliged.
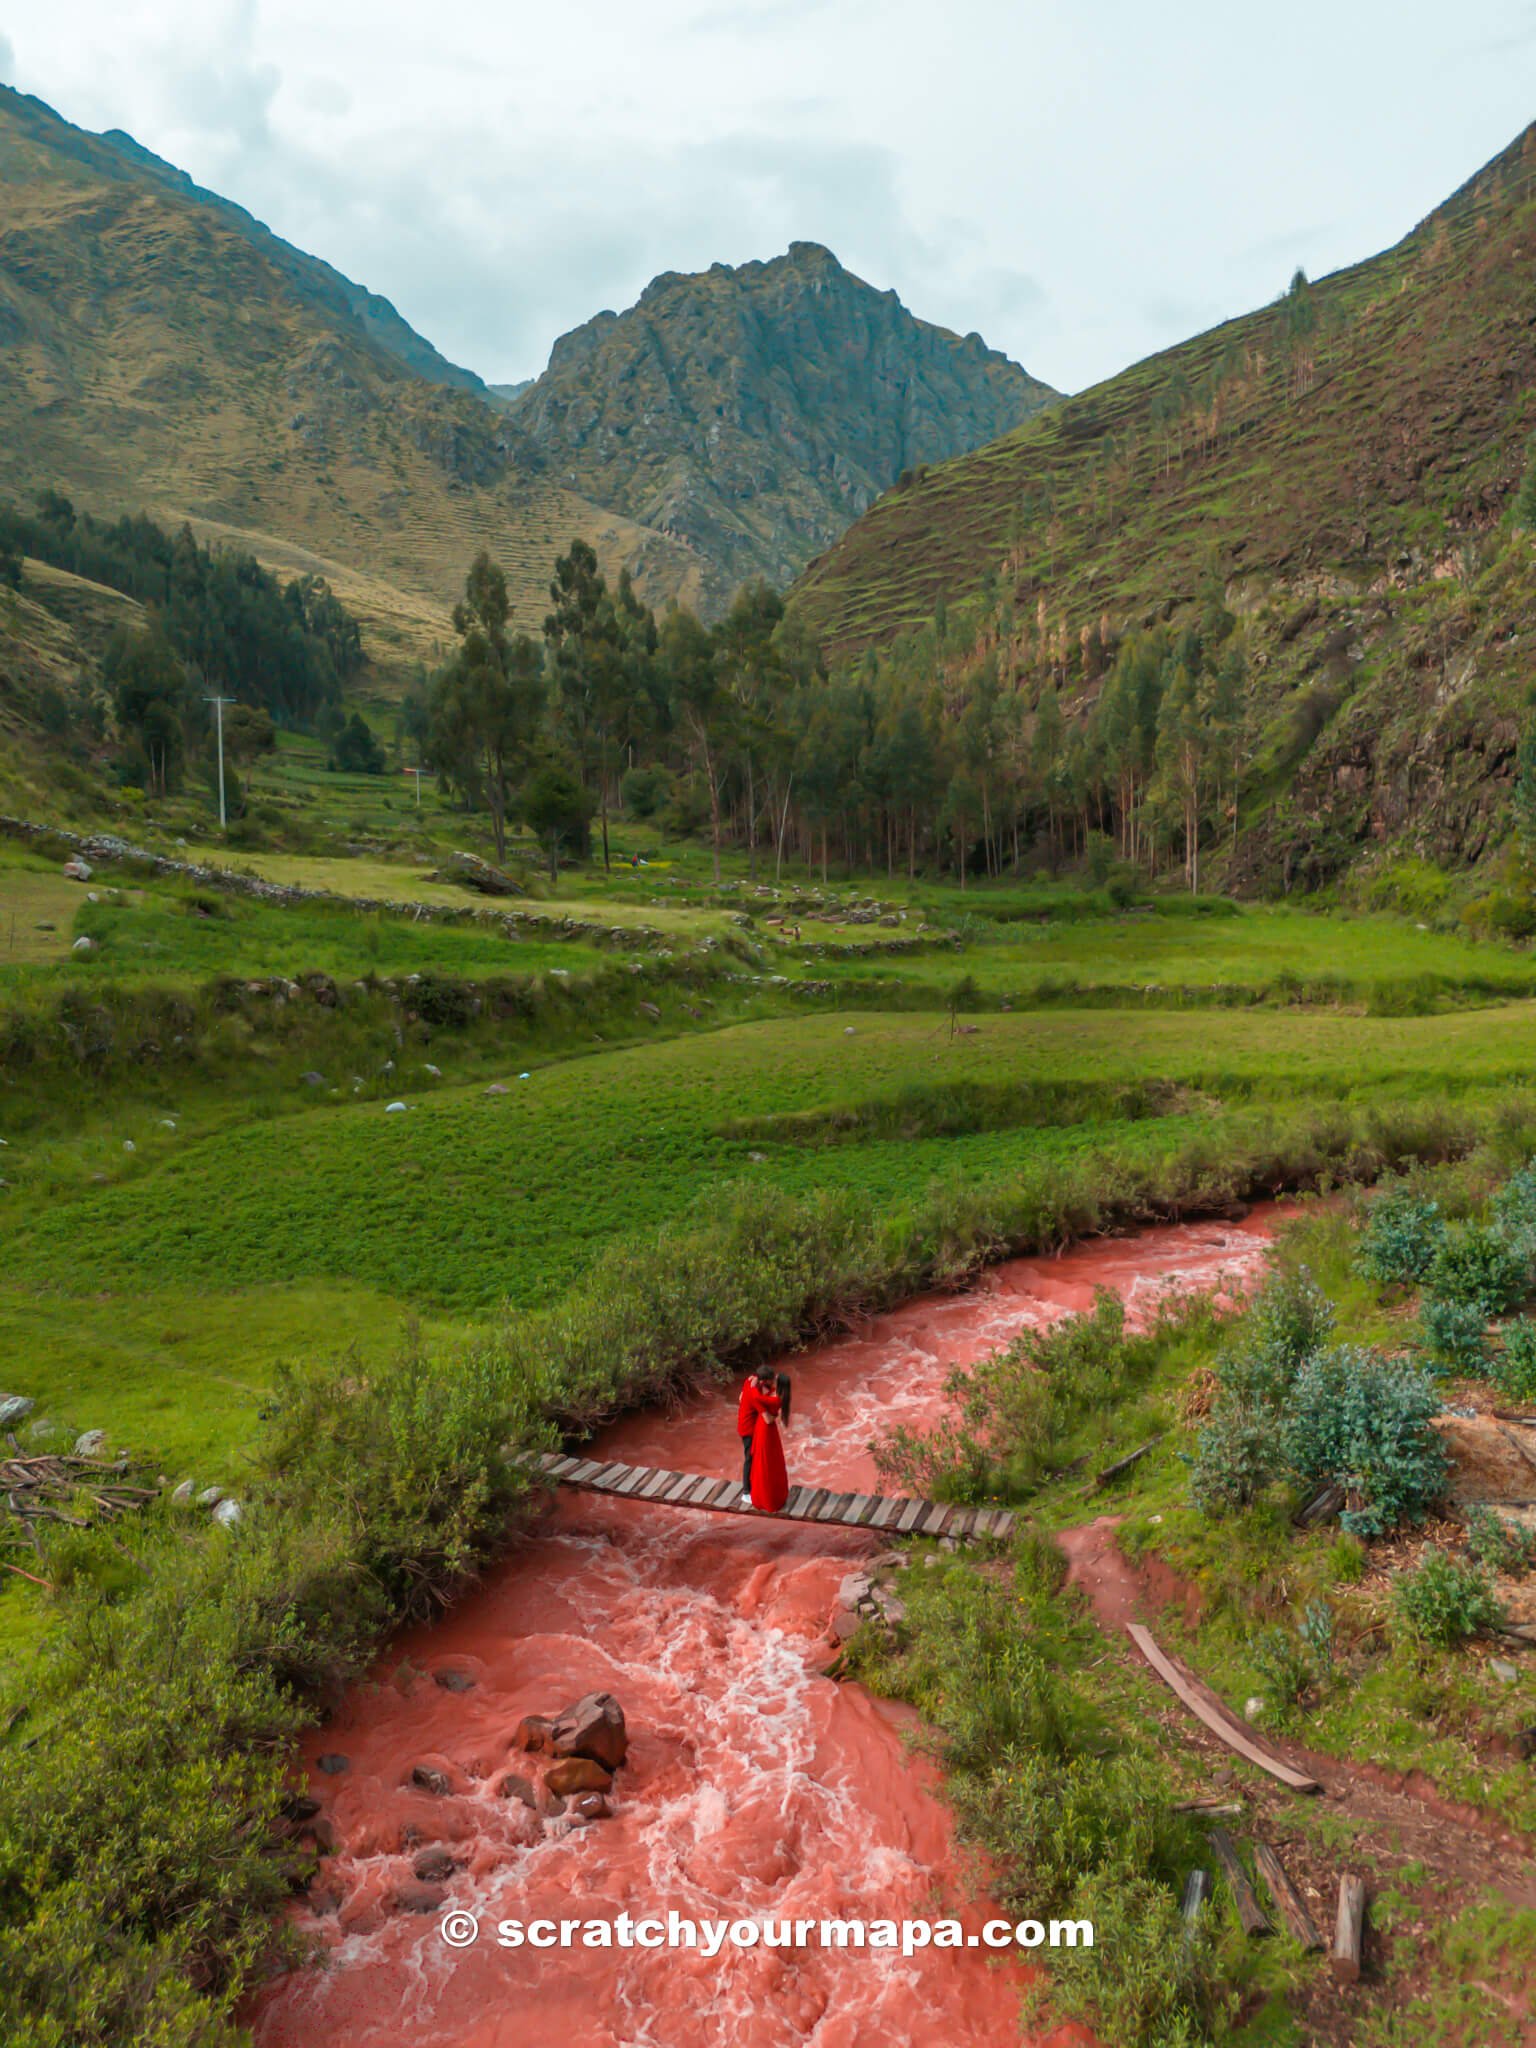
(892, 1514)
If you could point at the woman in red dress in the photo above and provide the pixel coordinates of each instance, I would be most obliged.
(770, 1481)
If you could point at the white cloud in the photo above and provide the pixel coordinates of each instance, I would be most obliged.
(7, 60)
(1072, 182)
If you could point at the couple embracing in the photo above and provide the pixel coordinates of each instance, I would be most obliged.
(763, 1404)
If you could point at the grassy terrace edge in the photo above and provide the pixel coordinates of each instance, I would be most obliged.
(142, 1856)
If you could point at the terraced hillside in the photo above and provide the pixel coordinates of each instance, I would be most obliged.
(1342, 465)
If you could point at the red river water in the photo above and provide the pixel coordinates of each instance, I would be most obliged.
(755, 1787)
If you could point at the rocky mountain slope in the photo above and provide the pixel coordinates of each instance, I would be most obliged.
(1341, 466)
(752, 412)
(161, 349)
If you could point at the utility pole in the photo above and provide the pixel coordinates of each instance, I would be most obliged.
(218, 704)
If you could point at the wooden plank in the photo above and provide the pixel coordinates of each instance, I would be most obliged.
(702, 1492)
(834, 1507)
(726, 1495)
(861, 1506)
(806, 1510)
(682, 1482)
(910, 1511)
(1002, 1523)
(961, 1523)
(888, 1509)
(982, 1521)
(1249, 1911)
(1124, 1464)
(794, 1501)
(605, 1477)
(583, 1471)
(1349, 1932)
(638, 1474)
(936, 1521)
(1217, 1719)
(655, 1484)
(1289, 1903)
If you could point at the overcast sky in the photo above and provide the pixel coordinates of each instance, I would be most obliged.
(1082, 182)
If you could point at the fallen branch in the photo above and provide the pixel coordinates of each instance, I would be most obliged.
(1349, 1933)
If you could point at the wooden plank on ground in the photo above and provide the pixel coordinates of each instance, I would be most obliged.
(961, 1523)
(1289, 1903)
(1249, 1911)
(1349, 1933)
(1215, 1717)
(935, 1514)
(861, 1506)
(1124, 1464)
(1002, 1523)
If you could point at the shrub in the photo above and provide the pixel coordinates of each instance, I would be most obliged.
(1363, 1420)
(1237, 1451)
(1514, 1212)
(1446, 1601)
(1453, 1333)
(1402, 1234)
(1478, 1266)
(1501, 1546)
(1513, 1369)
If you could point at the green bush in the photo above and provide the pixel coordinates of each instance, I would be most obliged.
(1363, 1420)
(1513, 1368)
(1501, 1546)
(1478, 1266)
(1236, 1453)
(1402, 1234)
(1454, 1333)
(1514, 1213)
(1446, 1601)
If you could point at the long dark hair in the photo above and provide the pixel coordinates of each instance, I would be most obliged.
(784, 1390)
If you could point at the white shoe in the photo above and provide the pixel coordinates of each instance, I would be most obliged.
(746, 1500)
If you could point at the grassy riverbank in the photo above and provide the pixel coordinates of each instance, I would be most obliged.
(226, 1251)
(1375, 1645)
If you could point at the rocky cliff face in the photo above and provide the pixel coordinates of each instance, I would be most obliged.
(753, 412)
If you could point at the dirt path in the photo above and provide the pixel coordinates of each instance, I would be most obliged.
(1377, 1822)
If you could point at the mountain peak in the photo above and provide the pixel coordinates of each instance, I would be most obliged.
(752, 410)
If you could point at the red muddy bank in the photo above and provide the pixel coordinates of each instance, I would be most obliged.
(755, 1787)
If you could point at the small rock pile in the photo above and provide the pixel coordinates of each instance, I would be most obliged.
(870, 1596)
(585, 1746)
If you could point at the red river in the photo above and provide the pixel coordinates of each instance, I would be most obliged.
(756, 1787)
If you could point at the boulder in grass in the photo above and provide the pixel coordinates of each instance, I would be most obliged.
(469, 871)
(182, 1497)
(228, 1514)
(92, 1444)
(15, 1408)
(77, 870)
(84, 947)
